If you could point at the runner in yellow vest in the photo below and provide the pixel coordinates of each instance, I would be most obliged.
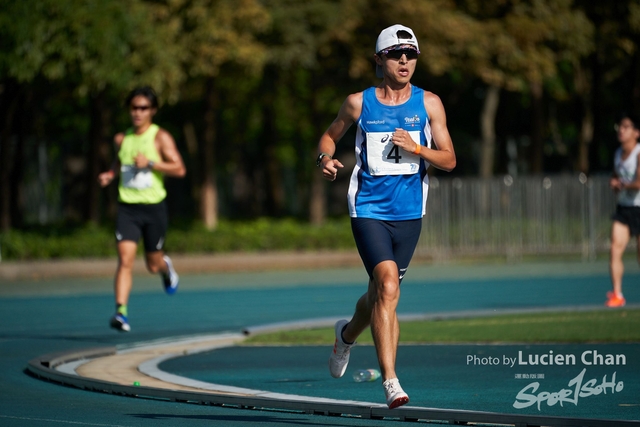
(146, 153)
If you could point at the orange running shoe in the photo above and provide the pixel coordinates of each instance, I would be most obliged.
(614, 300)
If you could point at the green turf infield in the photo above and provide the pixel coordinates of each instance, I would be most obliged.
(598, 326)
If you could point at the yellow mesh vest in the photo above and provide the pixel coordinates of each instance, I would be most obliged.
(140, 186)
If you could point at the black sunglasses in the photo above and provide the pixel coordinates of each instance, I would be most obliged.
(140, 107)
(397, 53)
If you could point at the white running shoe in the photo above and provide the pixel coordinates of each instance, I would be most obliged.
(395, 395)
(171, 279)
(340, 355)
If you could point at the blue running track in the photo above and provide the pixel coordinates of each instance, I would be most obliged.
(50, 316)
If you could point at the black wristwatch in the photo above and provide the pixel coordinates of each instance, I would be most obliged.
(319, 159)
(150, 164)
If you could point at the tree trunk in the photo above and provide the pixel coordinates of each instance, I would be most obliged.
(317, 199)
(98, 154)
(7, 159)
(635, 76)
(272, 180)
(191, 140)
(586, 136)
(209, 187)
(318, 196)
(583, 89)
(25, 118)
(537, 126)
(487, 126)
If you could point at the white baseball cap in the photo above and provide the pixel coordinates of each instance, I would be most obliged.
(394, 35)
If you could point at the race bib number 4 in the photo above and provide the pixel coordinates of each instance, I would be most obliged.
(133, 177)
(384, 158)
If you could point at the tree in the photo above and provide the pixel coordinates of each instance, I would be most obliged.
(98, 48)
(608, 77)
(517, 46)
(513, 45)
(309, 60)
(215, 33)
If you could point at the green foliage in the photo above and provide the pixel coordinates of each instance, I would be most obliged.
(259, 235)
(282, 69)
(213, 33)
(565, 327)
(562, 327)
(94, 44)
(57, 242)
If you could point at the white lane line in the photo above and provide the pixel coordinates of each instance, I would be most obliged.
(59, 421)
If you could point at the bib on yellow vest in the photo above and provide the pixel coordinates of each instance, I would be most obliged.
(140, 186)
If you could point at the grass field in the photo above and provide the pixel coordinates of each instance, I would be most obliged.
(599, 326)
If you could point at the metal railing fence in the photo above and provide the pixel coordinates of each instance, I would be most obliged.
(502, 216)
(514, 217)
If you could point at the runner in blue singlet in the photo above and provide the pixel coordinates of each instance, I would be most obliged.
(401, 130)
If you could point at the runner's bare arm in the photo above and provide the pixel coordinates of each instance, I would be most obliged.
(170, 162)
(443, 156)
(348, 114)
(105, 178)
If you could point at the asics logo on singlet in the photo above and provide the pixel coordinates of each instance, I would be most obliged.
(375, 122)
(412, 120)
(384, 139)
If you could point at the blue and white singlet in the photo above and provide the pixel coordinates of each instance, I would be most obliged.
(627, 170)
(389, 183)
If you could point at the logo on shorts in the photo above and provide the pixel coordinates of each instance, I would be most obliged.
(118, 236)
(160, 243)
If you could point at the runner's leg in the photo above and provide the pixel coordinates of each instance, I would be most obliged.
(385, 329)
(619, 240)
(124, 274)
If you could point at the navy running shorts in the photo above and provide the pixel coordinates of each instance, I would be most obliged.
(147, 221)
(379, 241)
(629, 216)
